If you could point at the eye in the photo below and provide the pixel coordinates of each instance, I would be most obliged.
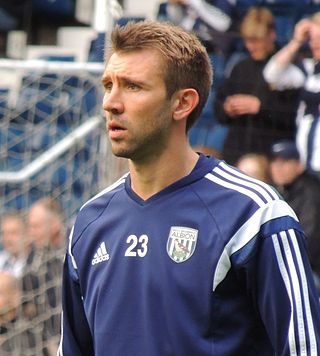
(107, 86)
(132, 86)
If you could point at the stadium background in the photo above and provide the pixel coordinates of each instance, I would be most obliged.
(52, 133)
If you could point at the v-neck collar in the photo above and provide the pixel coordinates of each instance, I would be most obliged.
(204, 165)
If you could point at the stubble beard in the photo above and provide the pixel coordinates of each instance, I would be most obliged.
(145, 147)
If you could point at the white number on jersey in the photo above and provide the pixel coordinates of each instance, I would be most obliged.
(137, 246)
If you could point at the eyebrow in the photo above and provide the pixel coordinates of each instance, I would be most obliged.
(106, 78)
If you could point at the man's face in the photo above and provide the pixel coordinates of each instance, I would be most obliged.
(13, 235)
(284, 171)
(138, 113)
(39, 226)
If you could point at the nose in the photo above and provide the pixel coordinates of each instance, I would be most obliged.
(112, 101)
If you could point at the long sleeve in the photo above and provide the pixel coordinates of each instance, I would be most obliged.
(75, 334)
(280, 281)
(282, 77)
(217, 14)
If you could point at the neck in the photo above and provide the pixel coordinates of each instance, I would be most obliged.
(148, 178)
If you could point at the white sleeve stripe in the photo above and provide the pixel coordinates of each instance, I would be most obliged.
(242, 190)
(296, 293)
(253, 180)
(106, 190)
(59, 351)
(272, 210)
(300, 291)
(251, 185)
(311, 332)
(70, 249)
(285, 276)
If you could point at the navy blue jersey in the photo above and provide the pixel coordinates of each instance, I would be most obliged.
(214, 264)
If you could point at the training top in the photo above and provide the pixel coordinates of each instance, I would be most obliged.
(214, 264)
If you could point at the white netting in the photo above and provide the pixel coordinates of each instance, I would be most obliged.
(52, 143)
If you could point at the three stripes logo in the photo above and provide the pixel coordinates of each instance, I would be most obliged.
(101, 255)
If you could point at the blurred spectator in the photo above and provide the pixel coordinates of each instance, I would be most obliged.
(282, 73)
(301, 189)
(256, 114)
(255, 165)
(15, 245)
(213, 21)
(42, 279)
(16, 338)
(45, 224)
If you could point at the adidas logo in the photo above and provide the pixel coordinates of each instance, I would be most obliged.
(101, 255)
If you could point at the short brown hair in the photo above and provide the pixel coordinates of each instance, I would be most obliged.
(186, 62)
(257, 23)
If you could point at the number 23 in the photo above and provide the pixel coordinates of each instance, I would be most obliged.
(138, 246)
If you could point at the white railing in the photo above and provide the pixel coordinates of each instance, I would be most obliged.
(56, 66)
(53, 153)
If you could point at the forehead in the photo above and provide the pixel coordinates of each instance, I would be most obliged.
(134, 63)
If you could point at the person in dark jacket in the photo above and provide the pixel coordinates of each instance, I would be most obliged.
(255, 114)
(301, 189)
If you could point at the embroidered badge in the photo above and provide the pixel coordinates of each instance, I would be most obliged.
(181, 243)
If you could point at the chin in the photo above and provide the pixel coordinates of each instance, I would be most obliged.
(121, 153)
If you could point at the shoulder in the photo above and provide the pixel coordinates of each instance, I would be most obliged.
(236, 200)
(233, 182)
(94, 207)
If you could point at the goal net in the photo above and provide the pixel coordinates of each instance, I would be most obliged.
(52, 143)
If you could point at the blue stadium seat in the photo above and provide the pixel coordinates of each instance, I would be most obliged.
(17, 141)
(38, 98)
(122, 21)
(64, 8)
(4, 95)
(83, 100)
(97, 48)
(60, 176)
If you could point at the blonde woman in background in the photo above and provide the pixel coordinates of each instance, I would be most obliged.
(283, 73)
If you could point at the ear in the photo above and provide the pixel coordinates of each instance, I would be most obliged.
(185, 101)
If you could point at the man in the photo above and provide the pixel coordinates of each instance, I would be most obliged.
(15, 245)
(45, 224)
(41, 282)
(16, 336)
(282, 72)
(184, 255)
(256, 115)
(301, 189)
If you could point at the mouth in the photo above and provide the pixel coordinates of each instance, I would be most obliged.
(114, 126)
(115, 130)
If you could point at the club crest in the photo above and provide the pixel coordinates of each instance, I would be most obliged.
(181, 243)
